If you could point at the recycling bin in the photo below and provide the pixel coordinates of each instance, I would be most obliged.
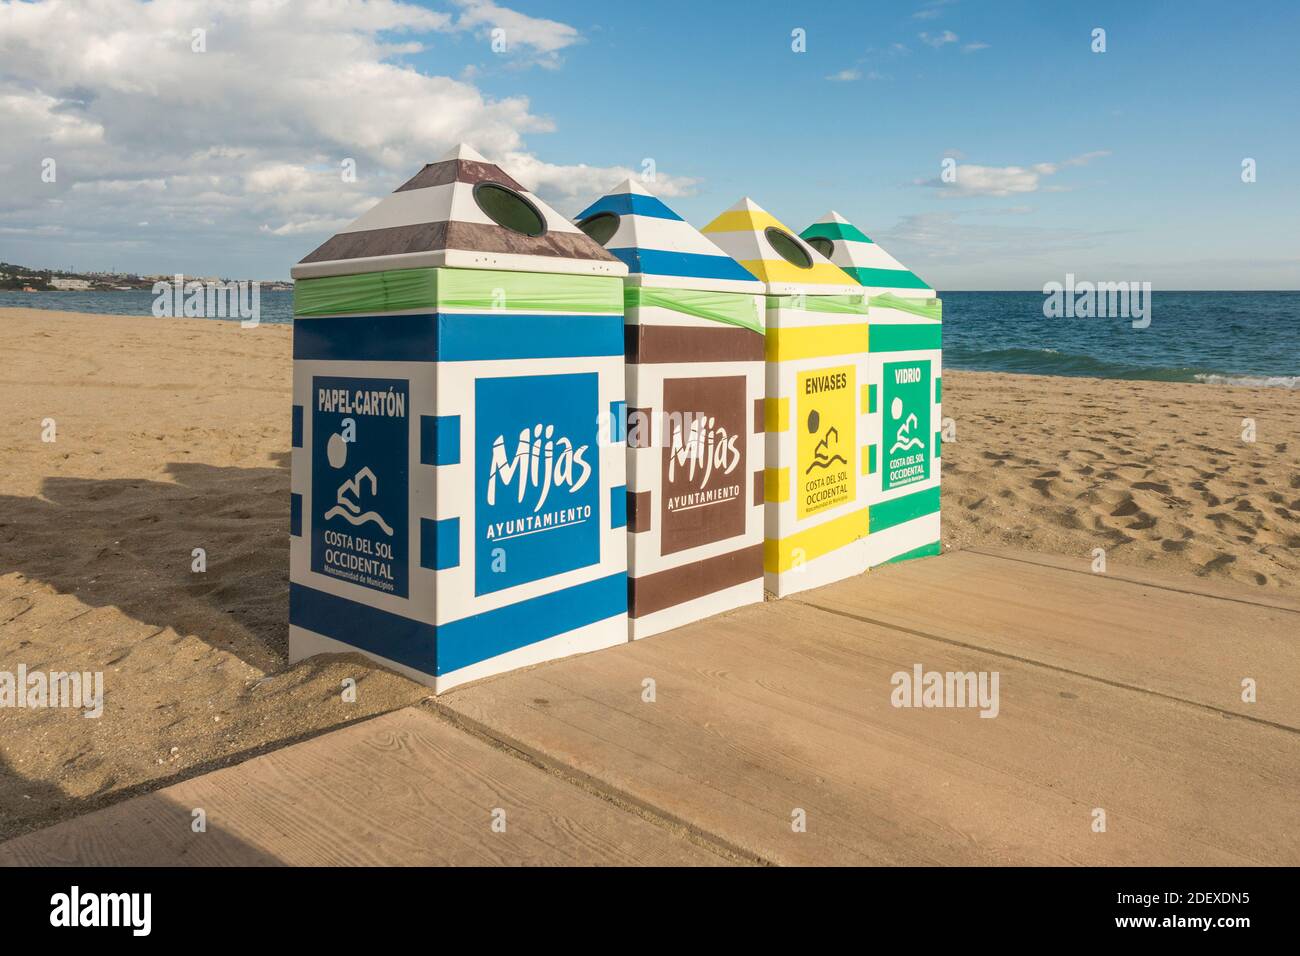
(458, 503)
(905, 381)
(694, 430)
(816, 348)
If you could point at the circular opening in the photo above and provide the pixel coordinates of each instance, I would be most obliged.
(600, 227)
(823, 245)
(788, 248)
(508, 209)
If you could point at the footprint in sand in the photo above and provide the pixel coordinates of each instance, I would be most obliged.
(1156, 486)
(1042, 486)
(1125, 508)
(1217, 563)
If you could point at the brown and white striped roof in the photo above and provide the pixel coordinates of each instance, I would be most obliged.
(433, 220)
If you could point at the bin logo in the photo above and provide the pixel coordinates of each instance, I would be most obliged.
(703, 474)
(906, 430)
(359, 481)
(537, 478)
(827, 440)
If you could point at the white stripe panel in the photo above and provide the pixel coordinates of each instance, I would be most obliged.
(868, 255)
(743, 286)
(410, 207)
(845, 562)
(448, 202)
(742, 246)
(926, 293)
(672, 235)
(456, 258)
(883, 546)
(658, 315)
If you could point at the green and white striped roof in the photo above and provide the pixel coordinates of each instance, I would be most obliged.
(873, 267)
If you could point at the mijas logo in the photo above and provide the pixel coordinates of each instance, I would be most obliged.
(541, 462)
(705, 446)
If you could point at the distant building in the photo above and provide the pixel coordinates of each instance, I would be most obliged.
(70, 285)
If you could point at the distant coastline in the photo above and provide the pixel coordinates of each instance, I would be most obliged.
(30, 279)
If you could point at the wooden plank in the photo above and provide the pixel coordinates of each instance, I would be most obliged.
(782, 706)
(1158, 638)
(403, 789)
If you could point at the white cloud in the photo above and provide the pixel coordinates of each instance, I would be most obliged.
(845, 76)
(932, 9)
(975, 180)
(579, 184)
(228, 149)
(543, 38)
(975, 47)
(937, 40)
(953, 252)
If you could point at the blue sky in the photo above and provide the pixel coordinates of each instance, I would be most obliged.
(1117, 165)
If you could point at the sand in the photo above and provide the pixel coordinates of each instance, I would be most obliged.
(1155, 473)
(173, 434)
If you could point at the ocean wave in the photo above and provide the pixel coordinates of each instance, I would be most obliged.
(1251, 381)
(1044, 361)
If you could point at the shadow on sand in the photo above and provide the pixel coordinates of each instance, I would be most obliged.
(129, 543)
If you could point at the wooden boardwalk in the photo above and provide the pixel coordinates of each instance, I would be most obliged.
(1118, 694)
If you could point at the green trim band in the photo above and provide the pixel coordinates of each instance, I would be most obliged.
(924, 551)
(922, 308)
(849, 304)
(397, 290)
(905, 338)
(835, 230)
(887, 514)
(886, 278)
(731, 308)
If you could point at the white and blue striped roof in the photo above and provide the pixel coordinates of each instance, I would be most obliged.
(660, 248)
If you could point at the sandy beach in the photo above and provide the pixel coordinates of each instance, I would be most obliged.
(172, 435)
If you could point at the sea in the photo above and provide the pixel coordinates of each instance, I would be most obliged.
(1219, 338)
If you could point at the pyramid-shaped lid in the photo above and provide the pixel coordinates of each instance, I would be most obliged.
(463, 212)
(763, 245)
(659, 247)
(850, 249)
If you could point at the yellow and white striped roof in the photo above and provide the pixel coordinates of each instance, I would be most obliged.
(741, 232)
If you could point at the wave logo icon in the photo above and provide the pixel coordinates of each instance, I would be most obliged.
(904, 440)
(350, 493)
(827, 451)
